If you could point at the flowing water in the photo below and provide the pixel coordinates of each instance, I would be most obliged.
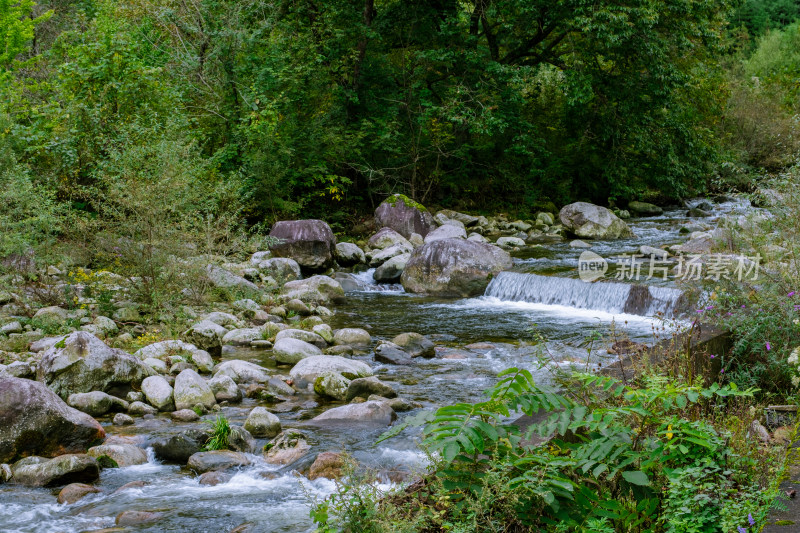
(476, 338)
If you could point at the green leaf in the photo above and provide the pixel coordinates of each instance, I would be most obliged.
(636, 477)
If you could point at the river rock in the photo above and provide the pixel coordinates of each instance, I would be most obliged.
(216, 460)
(298, 307)
(364, 413)
(365, 387)
(35, 421)
(96, 403)
(207, 335)
(328, 465)
(391, 270)
(74, 492)
(240, 440)
(226, 320)
(404, 215)
(213, 479)
(332, 385)
(184, 415)
(11, 327)
(644, 209)
(191, 389)
(156, 364)
(241, 337)
(162, 350)
(261, 423)
(358, 338)
(289, 351)
(178, 448)
(158, 393)
(696, 212)
(463, 218)
(225, 389)
(135, 518)
(226, 279)
(301, 335)
(202, 360)
(510, 242)
(380, 257)
(650, 251)
(415, 344)
(348, 254)
(122, 454)
(310, 368)
(388, 238)
(447, 231)
(309, 242)
(51, 314)
(286, 448)
(121, 419)
(316, 289)
(20, 369)
(453, 268)
(589, 221)
(241, 371)
(69, 468)
(83, 363)
(141, 409)
(391, 354)
(281, 269)
(577, 243)
(324, 331)
(699, 245)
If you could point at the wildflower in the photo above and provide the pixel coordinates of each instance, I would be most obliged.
(790, 294)
(669, 432)
(750, 515)
(769, 347)
(740, 529)
(713, 356)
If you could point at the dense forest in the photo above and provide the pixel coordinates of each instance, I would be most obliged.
(258, 110)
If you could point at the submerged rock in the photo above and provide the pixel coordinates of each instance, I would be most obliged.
(74, 492)
(35, 421)
(453, 268)
(328, 465)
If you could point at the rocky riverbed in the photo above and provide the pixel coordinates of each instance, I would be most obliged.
(329, 344)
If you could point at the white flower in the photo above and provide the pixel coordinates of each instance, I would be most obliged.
(794, 356)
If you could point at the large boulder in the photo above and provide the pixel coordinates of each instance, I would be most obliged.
(62, 470)
(446, 231)
(348, 254)
(589, 221)
(35, 421)
(379, 257)
(241, 371)
(309, 369)
(391, 270)
(225, 279)
(453, 268)
(316, 289)
(122, 454)
(303, 335)
(644, 209)
(191, 389)
(207, 335)
(289, 351)
(96, 403)
(309, 242)
(386, 238)
(357, 338)
(371, 412)
(404, 215)
(158, 393)
(281, 269)
(83, 363)
(262, 423)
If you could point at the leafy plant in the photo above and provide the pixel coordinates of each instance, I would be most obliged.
(220, 433)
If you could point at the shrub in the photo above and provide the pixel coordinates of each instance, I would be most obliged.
(220, 433)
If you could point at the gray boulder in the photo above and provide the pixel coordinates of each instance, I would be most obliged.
(446, 231)
(159, 393)
(302, 335)
(589, 221)
(241, 337)
(316, 289)
(332, 385)
(225, 389)
(207, 335)
(281, 269)
(415, 344)
(202, 462)
(62, 470)
(391, 270)
(357, 338)
(261, 423)
(241, 371)
(178, 448)
(391, 354)
(370, 412)
(379, 257)
(35, 421)
(122, 454)
(404, 215)
(191, 389)
(309, 369)
(348, 254)
(226, 279)
(309, 242)
(83, 363)
(387, 238)
(365, 387)
(96, 403)
(644, 209)
(453, 268)
(290, 351)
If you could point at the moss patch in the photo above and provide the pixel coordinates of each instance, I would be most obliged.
(392, 201)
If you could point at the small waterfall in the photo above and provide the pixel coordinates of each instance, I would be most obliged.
(609, 297)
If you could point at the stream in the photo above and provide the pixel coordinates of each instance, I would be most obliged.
(475, 339)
